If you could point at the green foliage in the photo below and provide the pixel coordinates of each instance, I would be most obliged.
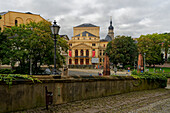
(126, 66)
(155, 77)
(33, 43)
(4, 49)
(122, 50)
(151, 44)
(7, 71)
(9, 78)
(134, 72)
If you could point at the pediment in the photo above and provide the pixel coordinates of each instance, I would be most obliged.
(82, 46)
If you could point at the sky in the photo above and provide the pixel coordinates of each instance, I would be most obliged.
(129, 17)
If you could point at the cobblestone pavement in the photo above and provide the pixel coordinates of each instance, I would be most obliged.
(148, 101)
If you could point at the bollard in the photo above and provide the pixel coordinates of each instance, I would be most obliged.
(49, 97)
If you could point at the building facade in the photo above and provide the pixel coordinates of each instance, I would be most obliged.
(12, 18)
(86, 47)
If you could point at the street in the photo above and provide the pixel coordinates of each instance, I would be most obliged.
(94, 72)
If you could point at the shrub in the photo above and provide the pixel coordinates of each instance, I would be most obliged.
(126, 66)
(156, 77)
(7, 71)
(9, 78)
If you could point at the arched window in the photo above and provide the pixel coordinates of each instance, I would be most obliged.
(81, 53)
(16, 22)
(87, 52)
(76, 52)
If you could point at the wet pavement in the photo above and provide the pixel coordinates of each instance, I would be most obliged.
(147, 101)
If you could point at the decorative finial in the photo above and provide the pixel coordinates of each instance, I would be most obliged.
(110, 20)
(55, 22)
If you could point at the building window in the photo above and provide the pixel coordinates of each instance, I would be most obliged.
(100, 53)
(103, 59)
(104, 45)
(87, 61)
(76, 61)
(76, 52)
(103, 53)
(87, 52)
(81, 61)
(93, 44)
(70, 44)
(70, 61)
(78, 38)
(81, 52)
(100, 60)
(16, 22)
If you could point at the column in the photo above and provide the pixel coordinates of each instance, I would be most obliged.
(73, 53)
(73, 61)
(78, 61)
(90, 61)
(90, 52)
(84, 52)
(84, 61)
(96, 53)
(79, 52)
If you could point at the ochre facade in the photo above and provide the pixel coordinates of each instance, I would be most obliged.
(86, 48)
(12, 18)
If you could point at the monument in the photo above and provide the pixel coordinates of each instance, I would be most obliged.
(140, 63)
(106, 70)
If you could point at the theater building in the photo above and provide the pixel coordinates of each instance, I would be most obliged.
(12, 18)
(86, 47)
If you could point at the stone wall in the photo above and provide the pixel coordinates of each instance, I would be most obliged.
(25, 94)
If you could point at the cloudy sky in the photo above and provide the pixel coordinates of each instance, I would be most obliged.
(130, 17)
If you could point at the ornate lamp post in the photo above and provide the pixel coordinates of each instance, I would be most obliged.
(144, 62)
(55, 29)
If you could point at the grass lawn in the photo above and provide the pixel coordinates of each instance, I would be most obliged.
(159, 69)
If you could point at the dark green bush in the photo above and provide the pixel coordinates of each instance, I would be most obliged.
(155, 77)
(126, 67)
(7, 71)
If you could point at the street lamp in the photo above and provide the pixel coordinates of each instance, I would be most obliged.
(31, 57)
(55, 29)
(144, 61)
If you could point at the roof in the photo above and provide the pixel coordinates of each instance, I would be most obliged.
(86, 25)
(2, 13)
(84, 34)
(65, 37)
(108, 38)
(103, 40)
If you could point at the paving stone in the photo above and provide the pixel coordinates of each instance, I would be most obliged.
(147, 101)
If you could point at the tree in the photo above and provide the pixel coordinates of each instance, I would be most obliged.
(166, 43)
(151, 45)
(122, 50)
(0, 27)
(32, 43)
(4, 49)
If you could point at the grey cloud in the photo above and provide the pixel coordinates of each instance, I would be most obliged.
(130, 17)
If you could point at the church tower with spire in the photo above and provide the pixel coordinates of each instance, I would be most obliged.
(111, 29)
(110, 35)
